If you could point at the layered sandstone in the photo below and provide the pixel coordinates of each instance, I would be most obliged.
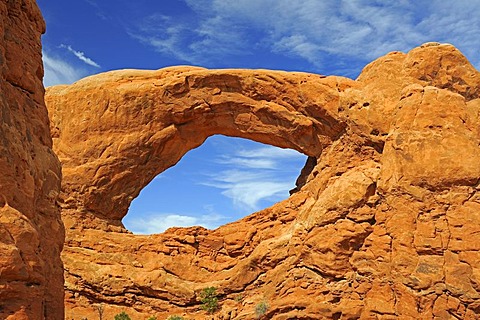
(385, 222)
(31, 232)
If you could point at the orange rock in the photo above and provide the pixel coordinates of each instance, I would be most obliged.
(384, 222)
(31, 231)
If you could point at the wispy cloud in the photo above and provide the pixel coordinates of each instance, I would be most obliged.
(98, 10)
(262, 158)
(320, 32)
(247, 189)
(255, 175)
(170, 41)
(58, 71)
(264, 163)
(268, 152)
(81, 55)
(152, 223)
(210, 40)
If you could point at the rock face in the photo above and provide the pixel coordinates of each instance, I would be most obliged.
(31, 231)
(385, 223)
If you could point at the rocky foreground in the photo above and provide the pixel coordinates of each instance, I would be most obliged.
(384, 224)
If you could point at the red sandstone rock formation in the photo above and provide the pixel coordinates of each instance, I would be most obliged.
(31, 232)
(385, 224)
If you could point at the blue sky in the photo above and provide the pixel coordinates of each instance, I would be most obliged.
(228, 178)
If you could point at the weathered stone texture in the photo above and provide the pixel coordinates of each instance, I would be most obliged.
(386, 223)
(31, 231)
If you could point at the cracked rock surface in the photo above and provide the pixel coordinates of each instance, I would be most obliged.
(384, 223)
(31, 230)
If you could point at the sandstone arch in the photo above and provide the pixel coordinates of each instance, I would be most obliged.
(131, 125)
(386, 225)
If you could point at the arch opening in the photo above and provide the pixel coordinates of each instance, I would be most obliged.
(221, 181)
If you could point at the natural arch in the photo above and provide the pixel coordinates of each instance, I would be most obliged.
(386, 222)
(130, 126)
(219, 182)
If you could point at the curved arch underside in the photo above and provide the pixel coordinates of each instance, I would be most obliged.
(130, 126)
(386, 222)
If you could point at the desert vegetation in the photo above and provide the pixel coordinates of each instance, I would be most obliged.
(209, 299)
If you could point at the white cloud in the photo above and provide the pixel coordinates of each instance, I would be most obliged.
(247, 189)
(159, 222)
(267, 157)
(318, 31)
(58, 71)
(269, 152)
(249, 193)
(98, 10)
(81, 55)
(299, 45)
(248, 163)
(255, 175)
(188, 41)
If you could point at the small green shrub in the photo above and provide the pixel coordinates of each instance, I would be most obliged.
(175, 318)
(153, 318)
(122, 316)
(209, 299)
(261, 309)
(238, 298)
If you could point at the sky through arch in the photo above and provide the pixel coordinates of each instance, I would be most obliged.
(221, 181)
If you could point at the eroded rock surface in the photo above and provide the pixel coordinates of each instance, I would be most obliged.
(386, 224)
(31, 231)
